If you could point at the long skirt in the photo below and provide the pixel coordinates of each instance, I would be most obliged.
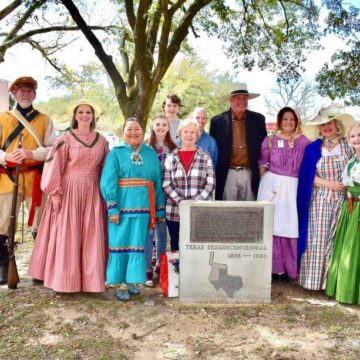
(323, 214)
(70, 249)
(281, 191)
(343, 281)
(126, 262)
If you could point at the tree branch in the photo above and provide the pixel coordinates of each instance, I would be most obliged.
(106, 60)
(129, 8)
(142, 59)
(9, 9)
(182, 30)
(153, 27)
(31, 33)
(21, 22)
(286, 17)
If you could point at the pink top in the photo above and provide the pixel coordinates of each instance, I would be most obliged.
(73, 154)
(281, 159)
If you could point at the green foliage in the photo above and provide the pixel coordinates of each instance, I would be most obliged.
(275, 35)
(196, 87)
(88, 82)
(341, 79)
(188, 78)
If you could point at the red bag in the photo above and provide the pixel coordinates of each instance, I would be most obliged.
(169, 273)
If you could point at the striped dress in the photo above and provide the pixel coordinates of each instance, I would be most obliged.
(324, 211)
(70, 248)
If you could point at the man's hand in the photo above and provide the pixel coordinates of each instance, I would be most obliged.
(18, 156)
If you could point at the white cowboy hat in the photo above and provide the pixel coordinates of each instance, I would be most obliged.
(240, 89)
(332, 112)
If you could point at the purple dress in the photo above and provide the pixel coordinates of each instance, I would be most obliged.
(279, 186)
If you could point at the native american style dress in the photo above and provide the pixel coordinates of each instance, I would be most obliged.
(70, 248)
(343, 281)
(318, 218)
(279, 186)
(131, 185)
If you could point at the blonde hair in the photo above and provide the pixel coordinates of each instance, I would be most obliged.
(186, 122)
(340, 130)
(357, 125)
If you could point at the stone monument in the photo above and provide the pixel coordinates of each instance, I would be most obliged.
(225, 251)
(4, 95)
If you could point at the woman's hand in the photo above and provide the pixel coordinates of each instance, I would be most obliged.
(115, 219)
(330, 184)
(335, 185)
(56, 202)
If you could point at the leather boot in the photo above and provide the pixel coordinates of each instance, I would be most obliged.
(4, 260)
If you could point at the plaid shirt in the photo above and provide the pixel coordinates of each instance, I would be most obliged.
(198, 184)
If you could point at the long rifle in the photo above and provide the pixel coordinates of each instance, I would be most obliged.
(13, 276)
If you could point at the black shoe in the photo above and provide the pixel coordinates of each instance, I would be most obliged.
(37, 282)
(275, 278)
(34, 233)
(284, 278)
(4, 263)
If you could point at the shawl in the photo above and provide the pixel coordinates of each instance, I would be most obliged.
(312, 154)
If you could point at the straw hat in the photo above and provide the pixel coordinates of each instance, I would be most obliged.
(332, 112)
(240, 89)
(97, 111)
(23, 81)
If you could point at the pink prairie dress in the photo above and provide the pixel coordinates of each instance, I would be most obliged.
(70, 249)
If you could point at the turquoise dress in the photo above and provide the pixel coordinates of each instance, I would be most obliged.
(131, 188)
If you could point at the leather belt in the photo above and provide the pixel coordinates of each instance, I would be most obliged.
(237, 168)
(350, 201)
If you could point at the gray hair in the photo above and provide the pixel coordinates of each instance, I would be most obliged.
(186, 122)
(198, 109)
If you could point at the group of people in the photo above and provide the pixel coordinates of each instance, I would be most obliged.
(103, 209)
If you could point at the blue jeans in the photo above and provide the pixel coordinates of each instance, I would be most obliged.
(161, 235)
(174, 231)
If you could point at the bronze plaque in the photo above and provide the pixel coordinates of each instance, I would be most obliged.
(226, 224)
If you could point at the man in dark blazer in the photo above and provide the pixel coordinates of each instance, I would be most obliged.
(239, 133)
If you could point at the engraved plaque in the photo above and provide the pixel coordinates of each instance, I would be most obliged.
(226, 225)
(225, 252)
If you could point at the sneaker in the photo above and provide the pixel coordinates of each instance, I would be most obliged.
(122, 295)
(149, 279)
(133, 289)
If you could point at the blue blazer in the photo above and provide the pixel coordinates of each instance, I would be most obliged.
(221, 131)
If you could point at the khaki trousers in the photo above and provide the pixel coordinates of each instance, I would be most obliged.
(238, 186)
(5, 210)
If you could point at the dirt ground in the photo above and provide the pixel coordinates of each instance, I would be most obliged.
(37, 323)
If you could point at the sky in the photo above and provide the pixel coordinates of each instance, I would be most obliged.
(22, 60)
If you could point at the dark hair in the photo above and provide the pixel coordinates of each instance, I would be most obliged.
(168, 141)
(74, 124)
(281, 113)
(173, 98)
(132, 119)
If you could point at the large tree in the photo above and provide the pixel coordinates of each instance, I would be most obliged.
(149, 34)
(296, 93)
